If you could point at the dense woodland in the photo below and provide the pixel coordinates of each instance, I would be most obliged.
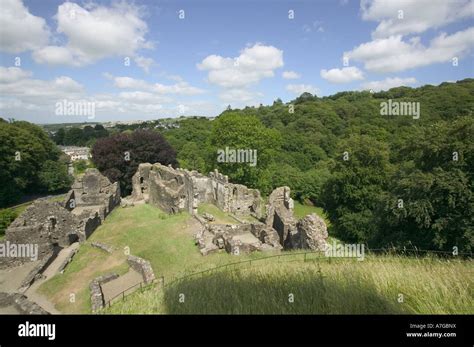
(383, 180)
(406, 182)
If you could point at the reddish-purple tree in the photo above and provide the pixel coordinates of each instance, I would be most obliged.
(119, 155)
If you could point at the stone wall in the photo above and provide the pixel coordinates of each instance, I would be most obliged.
(97, 297)
(52, 225)
(309, 232)
(175, 190)
(94, 189)
(66, 261)
(143, 267)
(45, 224)
(279, 215)
(312, 233)
(21, 303)
(237, 238)
(102, 246)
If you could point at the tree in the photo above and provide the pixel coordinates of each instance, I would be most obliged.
(118, 156)
(54, 177)
(238, 132)
(74, 137)
(59, 136)
(436, 191)
(355, 190)
(27, 152)
(80, 166)
(192, 157)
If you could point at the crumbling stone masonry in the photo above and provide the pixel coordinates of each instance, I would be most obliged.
(103, 247)
(175, 190)
(97, 297)
(45, 224)
(310, 232)
(280, 216)
(20, 303)
(52, 225)
(280, 231)
(143, 267)
(237, 238)
(92, 198)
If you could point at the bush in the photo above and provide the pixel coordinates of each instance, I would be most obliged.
(7, 216)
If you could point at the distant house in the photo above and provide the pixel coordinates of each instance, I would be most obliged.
(76, 153)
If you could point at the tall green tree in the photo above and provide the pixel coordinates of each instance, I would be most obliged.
(244, 132)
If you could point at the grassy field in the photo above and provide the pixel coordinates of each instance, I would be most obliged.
(377, 285)
(87, 264)
(221, 217)
(428, 285)
(165, 240)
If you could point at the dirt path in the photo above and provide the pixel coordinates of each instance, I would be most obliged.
(117, 286)
(51, 270)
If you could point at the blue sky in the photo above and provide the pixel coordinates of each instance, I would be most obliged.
(222, 52)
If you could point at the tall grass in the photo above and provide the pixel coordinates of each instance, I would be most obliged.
(377, 285)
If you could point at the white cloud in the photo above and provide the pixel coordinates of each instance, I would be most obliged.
(388, 83)
(95, 32)
(12, 74)
(16, 82)
(290, 75)
(19, 30)
(144, 97)
(302, 88)
(393, 54)
(54, 55)
(252, 65)
(21, 93)
(417, 16)
(181, 88)
(144, 63)
(344, 75)
(130, 83)
(238, 97)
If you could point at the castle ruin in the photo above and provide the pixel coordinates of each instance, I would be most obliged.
(175, 190)
(54, 225)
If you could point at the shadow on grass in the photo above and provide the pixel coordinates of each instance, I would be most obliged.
(259, 293)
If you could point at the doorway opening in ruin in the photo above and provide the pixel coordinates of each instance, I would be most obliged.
(141, 181)
(73, 238)
(142, 189)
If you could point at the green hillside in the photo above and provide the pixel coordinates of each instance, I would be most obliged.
(319, 285)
